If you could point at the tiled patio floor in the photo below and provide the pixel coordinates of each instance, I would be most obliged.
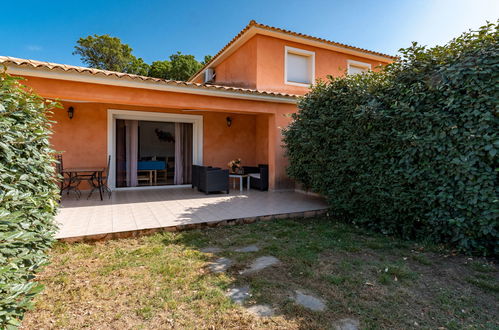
(128, 211)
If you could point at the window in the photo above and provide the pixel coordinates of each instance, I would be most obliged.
(299, 67)
(356, 67)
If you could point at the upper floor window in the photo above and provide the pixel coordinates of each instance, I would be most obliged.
(299, 66)
(356, 67)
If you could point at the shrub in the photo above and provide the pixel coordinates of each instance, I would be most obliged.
(28, 196)
(412, 149)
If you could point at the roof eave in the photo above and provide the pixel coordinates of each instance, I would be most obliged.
(145, 84)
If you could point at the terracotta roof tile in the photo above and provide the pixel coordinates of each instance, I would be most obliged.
(253, 23)
(6, 60)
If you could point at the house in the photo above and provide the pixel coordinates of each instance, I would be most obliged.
(234, 107)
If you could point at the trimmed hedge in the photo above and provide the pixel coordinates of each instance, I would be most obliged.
(28, 196)
(410, 150)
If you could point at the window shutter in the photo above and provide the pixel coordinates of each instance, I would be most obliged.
(298, 67)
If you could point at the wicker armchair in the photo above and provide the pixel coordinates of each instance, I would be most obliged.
(212, 179)
(195, 176)
(259, 176)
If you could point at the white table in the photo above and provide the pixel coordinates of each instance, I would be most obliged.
(241, 177)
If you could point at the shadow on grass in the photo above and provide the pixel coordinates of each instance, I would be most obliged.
(161, 281)
(379, 280)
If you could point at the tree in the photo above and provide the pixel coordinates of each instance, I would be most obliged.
(160, 69)
(183, 66)
(138, 66)
(179, 67)
(108, 53)
(207, 58)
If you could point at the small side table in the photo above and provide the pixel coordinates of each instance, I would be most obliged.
(241, 177)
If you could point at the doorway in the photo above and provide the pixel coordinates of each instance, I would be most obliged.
(153, 153)
(153, 149)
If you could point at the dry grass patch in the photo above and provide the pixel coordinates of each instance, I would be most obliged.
(134, 283)
(162, 281)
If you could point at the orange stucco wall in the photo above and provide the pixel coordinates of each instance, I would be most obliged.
(270, 68)
(262, 139)
(254, 135)
(98, 93)
(239, 69)
(259, 64)
(222, 143)
(83, 139)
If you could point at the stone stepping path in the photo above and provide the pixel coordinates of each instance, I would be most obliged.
(308, 301)
(249, 248)
(220, 265)
(260, 263)
(261, 310)
(244, 249)
(346, 324)
(211, 249)
(239, 295)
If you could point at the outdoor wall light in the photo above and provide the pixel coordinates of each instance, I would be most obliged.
(71, 112)
(229, 121)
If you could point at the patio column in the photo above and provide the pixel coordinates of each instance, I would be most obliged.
(278, 179)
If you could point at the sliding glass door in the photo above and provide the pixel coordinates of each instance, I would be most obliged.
(183, 153)
(150, 153)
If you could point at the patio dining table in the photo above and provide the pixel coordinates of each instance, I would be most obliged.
(86, 173)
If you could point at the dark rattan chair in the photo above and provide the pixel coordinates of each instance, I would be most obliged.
(259, 176)
(212, 179)
(195, 176)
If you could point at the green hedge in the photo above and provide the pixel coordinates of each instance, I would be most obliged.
(410, 150)
(28, 196)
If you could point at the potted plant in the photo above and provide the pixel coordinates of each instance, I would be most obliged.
(235, 166)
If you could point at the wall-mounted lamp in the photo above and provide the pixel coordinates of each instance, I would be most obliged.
(229, 121)
(71, 112)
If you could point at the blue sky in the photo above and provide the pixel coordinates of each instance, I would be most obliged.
(48, 30)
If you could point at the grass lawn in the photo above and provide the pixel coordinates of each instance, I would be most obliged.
(162, 281)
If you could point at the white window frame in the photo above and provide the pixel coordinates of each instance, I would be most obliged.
(357, 64)
(302, 52)
(113, 114)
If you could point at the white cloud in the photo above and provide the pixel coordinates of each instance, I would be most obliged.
(34, 48)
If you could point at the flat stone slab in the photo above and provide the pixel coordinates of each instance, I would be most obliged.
(261, 310)
(220, 265)
(211, 249)
(249, 248)
(346, 324)
(261, 263)
(239, 295)
(308, 301)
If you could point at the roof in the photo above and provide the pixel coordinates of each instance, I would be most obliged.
(112, 75)
(253, 24)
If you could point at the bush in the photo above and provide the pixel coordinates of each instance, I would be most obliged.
(412, 149)
(28, 196)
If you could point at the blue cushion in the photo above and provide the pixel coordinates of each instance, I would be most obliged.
(151, 165)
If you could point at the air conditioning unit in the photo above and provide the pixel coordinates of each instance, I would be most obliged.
(209, 75)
